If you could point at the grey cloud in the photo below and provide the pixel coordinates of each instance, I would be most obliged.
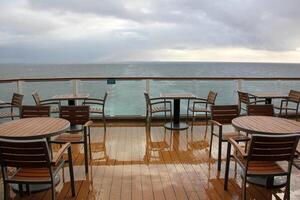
(31, 28)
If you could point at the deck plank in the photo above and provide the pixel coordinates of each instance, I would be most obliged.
(179, 168)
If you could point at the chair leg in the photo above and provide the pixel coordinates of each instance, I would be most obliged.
(20, 189)
(104, 121)
(210, 144)
(219, 153)
(244, 188)
(227, 166)
(6, 191)
(90, 146)
(53, 190)
(28, 189)
(86, 159)
(193, 119)
(71, 171)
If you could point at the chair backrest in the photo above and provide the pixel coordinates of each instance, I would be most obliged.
(224, 113)
(294, 96)
(243, 97)
(36, 98)
(260, 110)
(272, 147)
(24, 153)
(211, 98)
(76, 115)
(17, 99)
(35, 111)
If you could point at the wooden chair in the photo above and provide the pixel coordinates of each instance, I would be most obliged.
(201, 105)
(35, 111)
(260, 110)
(16, 102)
(32, 164)
(246, 99)
(156, 105)
(79, 132)
(97, 107)
(290, 104)
(54, 104)
(220, 116)
(262, 159)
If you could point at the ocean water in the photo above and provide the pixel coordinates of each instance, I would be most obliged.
(126, 97)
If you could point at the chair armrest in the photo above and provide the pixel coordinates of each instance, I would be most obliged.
(215, 123)
(237, 147)
(200, 102)
(157, 98)
(160, 102)
(60, 153)
(88, 123)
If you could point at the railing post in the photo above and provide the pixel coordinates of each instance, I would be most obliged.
(148, 86)
(19, 87)
(74, 87)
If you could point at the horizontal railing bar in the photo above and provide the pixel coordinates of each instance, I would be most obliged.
(124, 78)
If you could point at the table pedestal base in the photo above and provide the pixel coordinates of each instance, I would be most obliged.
(36, 187)
(173, 126)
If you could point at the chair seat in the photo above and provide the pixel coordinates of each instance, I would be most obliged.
(68, 137)
(264, 168)
(234, 136)
(8, 114)
(96, 110)
(34, 175)
(160, 108)
(198, 109)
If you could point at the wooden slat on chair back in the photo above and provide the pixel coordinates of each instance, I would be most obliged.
(272, 148)
(211, 98)
(76, 115)
(224, 113)
(243, 97)
(260, 110)
(294, 96)
(17, 99)
(35, 111)
(32, 154)
(36, 98)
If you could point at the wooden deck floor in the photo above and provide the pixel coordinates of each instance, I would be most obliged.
(131, 163)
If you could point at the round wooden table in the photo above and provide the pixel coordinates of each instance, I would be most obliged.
(33, 128)
(270, 126)
(266, 125)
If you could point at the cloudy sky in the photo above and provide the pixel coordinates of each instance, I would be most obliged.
(91, 31)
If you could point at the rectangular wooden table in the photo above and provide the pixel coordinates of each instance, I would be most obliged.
(176, 124)
(268, 96)
(70, 98)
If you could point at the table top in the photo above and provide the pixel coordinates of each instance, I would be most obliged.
(70, 96)
(177, 95)
(268, 95)
(266, 125)
(33, 128)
